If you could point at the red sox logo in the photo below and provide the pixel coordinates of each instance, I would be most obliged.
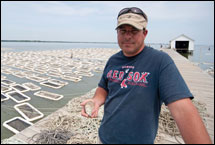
(123, 84)
(133, 78)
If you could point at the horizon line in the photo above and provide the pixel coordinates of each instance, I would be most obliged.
(57, 41)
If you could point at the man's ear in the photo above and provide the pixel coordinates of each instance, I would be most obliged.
(145, 32)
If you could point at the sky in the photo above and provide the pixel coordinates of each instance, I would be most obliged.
(95, 21)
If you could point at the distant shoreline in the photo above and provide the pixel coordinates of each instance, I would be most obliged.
(3, 49)
(39, 41)
(42, 41)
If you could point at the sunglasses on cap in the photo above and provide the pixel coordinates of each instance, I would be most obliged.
(134, 10)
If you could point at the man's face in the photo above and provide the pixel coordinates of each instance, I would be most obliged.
(131, 40)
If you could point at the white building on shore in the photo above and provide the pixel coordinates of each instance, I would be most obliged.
(182, 43)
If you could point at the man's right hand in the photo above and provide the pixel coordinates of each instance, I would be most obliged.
(94, 111)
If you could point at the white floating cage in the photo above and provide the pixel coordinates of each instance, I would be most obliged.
(20, 88)
(31, 86)
(48, 95)
(71, 78)
(35, 78)
(29, 112)
(5, 88)
(51, 85)
(7, 82)
(17, 124)
(59, 82)
(4, 97)
(3, 77)
(18, 97)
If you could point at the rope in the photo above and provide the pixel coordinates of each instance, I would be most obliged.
(168, 125)
(73, 128)
(58, 136)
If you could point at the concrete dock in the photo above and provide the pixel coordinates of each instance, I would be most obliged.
(199, 82)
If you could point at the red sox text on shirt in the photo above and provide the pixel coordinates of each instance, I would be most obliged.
(133, 78)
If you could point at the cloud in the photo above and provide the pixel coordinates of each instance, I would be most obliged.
(64, 9)
(162, 10)
(196, 18)
(179, 11)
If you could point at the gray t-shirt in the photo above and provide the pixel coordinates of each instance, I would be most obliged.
(137, 86)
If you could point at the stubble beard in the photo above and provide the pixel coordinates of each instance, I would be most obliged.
(132, 49)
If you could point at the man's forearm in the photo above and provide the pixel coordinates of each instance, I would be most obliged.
(189, 122)
(100, 96)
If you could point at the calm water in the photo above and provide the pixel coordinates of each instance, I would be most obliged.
(46, 106)
(201, 55)
(32, 46)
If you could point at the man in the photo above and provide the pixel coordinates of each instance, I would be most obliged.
(135, 83)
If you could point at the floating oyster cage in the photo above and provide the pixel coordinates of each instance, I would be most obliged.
(54, 74)
(6, 71)
(44, 77)
(29, 112)
(71, 78)
(35, 78)
(59, 82)
(4, 97)
(72, 74)
(98, 69)
(20, 88)
(5, 88)
(3, 77)
(83, 73)
(31, 86)
(17, 124)
(7, 82)
(19, 74)
(18, 97)
(48, 95)
(52, 85)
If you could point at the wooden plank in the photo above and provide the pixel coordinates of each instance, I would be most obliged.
(200, 83)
